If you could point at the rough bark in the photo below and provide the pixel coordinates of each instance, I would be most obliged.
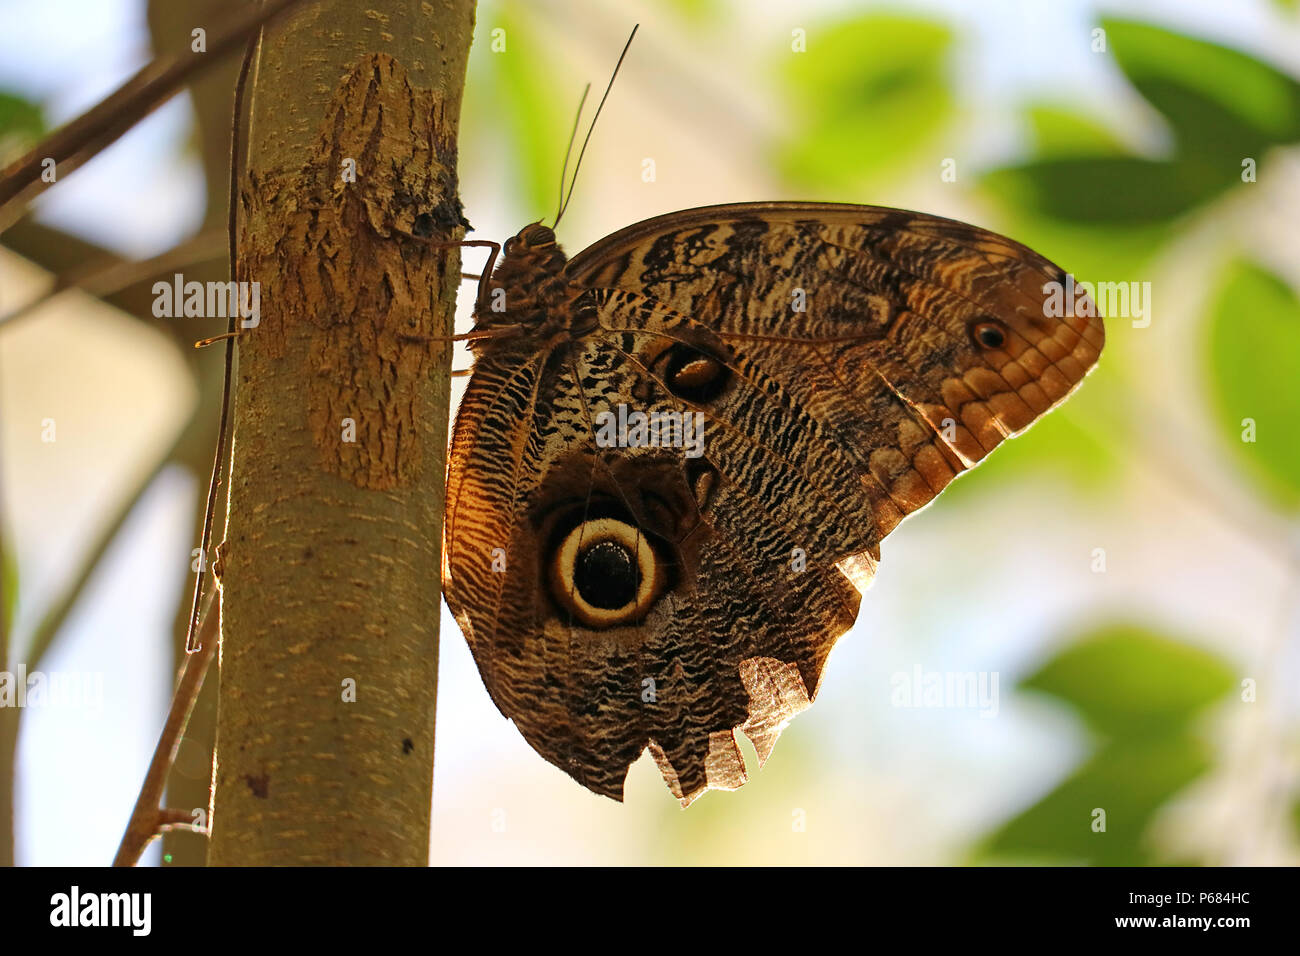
(332, 548)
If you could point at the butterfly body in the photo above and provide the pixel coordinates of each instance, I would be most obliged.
(674, 465)
(529, 290)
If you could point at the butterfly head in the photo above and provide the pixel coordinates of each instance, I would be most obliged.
(534, 247)
(529, 259)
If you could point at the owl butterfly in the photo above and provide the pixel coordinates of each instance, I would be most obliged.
(809, 375)
(847, 362)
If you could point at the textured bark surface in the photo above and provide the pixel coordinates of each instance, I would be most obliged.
(330, 564)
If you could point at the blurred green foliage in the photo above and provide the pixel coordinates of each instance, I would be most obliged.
(1139, 693)
(531, 99)
(697, 11)
(1220, 103)
(1221, 107)
(1082, 189)
(875, 95)
(21, 125)
(1108, 214)
(1253, 354)
(1059, 130)
(8, 594)
(1083, 200)
(1128, 682)
(875, 103)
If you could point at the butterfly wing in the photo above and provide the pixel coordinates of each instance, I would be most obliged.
(832, 357)
(871, 315)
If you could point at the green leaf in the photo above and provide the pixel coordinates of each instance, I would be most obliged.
(1129, 683)
(1109, 190)
(867, 96)
(1060, 131)
(1139, 692)
(1222, 105)
(526, 85)
(1128, 782)
(696, 12)
(1219, 102)
(20, 115)
(21, 126)
(1253, 353)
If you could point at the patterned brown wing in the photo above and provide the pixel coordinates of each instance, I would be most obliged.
(846, 362)
(897, 344)
(747, 589)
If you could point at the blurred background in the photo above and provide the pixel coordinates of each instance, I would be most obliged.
(1120, 583)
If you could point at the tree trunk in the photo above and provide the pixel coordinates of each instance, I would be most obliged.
(330, 565)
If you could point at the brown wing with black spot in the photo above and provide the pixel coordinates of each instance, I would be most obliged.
(843, 364)
(922, 340)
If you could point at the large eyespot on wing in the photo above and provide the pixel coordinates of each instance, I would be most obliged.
(645, 598)
(605, 572)
(765, 592)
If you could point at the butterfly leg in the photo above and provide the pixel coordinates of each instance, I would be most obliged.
(495, 250)
(211, 340)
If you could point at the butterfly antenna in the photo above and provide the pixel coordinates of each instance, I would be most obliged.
(578, 165)
(573, 135)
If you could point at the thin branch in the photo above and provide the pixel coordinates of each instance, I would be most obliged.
(74, 144)
(149, 819)
(113, 275)
(174, 818)
(232, 252)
